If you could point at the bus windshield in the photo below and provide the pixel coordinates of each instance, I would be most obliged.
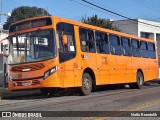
(32, 46)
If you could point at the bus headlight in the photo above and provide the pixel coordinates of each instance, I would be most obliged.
(46, 74)
(50, 72)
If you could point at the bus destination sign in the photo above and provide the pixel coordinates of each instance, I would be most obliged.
(30, 24)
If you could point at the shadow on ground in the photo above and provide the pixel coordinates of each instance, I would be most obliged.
(35, 94)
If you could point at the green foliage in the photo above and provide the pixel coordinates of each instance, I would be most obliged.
(100, 22)
(24, 12)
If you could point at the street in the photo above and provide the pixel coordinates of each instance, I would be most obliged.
(113, 99)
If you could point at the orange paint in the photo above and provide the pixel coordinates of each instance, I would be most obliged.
(107, 68)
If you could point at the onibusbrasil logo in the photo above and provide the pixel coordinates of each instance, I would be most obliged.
(21, 114)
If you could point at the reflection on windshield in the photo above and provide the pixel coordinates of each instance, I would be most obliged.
(34, 46)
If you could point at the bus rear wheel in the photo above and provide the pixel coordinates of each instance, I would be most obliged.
(139, 81)
(86, 84)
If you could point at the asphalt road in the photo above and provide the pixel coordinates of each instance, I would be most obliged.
(112, 99)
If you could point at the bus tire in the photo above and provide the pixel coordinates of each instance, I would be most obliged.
(86, 84)
(139, 81)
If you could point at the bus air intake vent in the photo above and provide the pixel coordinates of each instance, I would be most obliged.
(32, 67)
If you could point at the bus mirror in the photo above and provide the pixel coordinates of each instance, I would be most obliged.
(64, 39)
(4, 47)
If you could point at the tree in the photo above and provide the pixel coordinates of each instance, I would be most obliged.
(24, 12)
(100, 22)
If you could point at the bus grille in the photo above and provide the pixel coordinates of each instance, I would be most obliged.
(32, 67)
(34, 82)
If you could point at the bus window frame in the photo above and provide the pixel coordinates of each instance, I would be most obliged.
(129, 46)
(119, 44)
(100, 32)
(89, 41)
(137, 48)
(154, 50)
(144, 49)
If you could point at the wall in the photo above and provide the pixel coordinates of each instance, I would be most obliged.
(148, 28)
(127, 26)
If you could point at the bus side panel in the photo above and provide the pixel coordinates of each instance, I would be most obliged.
(112, 69)
(147, 68)
(153, 69)
(102, 65)
(89, 61)
(150, 68)
(124, 69)
(136, 65)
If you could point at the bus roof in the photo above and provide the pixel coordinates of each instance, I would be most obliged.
(85, 26)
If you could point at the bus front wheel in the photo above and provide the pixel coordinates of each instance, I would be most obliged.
(139, 81)
(86, 84)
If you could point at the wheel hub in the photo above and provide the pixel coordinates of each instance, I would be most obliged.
(86, 83)
(140, 80)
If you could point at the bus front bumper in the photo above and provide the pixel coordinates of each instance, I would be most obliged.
(50, 82)
(27, 84)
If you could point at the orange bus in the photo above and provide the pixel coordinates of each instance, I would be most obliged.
(49, 53)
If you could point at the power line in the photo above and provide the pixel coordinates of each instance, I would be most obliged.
(133, 20)
(93, 8)
(107, 10)
(104, 5)
(150, 5)
(112, 10)
(147, 5)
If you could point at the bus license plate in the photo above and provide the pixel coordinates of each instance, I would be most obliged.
(26, 83)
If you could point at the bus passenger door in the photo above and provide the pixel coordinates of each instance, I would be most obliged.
(67, 54)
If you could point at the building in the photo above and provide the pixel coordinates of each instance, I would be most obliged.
(3, 34)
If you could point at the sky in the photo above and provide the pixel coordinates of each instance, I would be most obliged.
(76, 9)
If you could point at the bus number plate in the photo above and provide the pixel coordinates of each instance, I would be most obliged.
(26, 83)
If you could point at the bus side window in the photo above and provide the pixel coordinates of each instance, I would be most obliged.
(144, 48)
(87, 40)
(102, 43)
(136, 48)
(126, 46)
(115, 45)
(151, 49)
(67, 49)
